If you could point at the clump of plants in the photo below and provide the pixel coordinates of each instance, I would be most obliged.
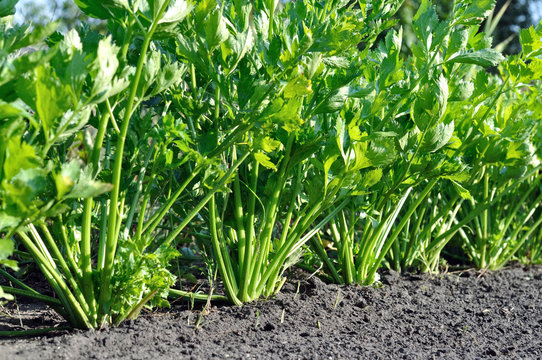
(83, 155)
(460, 126)
(260, 135)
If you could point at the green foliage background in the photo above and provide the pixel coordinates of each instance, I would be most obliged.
(519, 15)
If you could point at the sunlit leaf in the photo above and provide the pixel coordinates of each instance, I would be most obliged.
(531, 41)
(264, 160)
(484, 57)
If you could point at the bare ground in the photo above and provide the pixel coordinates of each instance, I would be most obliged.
(467, 315)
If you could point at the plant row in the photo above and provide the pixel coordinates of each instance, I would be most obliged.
(255, 136)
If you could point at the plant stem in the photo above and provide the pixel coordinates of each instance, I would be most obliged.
(316, 244)
(346, 250)
(177, 294)
(204, 201)
(249, 246)
(224, 273)
(86, 226)
(239, 217)
(73, 310)
(270, 217)
(33, 294)
(484, 237)
(67, 273)
(272, 271)
(389, 241)
(271, 19)
(112, 234)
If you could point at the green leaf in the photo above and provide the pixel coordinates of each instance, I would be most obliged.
(19, 156)
(462, 91)
(518, 150)
(314, 189)
(76, 67)
(484, 58)
(391, 66)
(203, 9)
(105, 66)
(288, 116)
(438, 136)
(371, 178)
(266, 144)
(120, 82)
(33, 37)
(25, 186)
(9, 129)
(430, 103)
(354, 132)
(150, 71)
(481, 82)
(460, 176)
(274, 49)
(475, 12)
(409, 140)
(264, 160)
(46, 95)
(425, 21)
(4, 295)
(170, 74)
(66, 178)
(86, 186)
(215, 29)
(330, 155)
(235, 48)
(176, 12)
(13, 69)
(458, 41)
(535, 69)
(11, 110)
(531, 41)
(359, 156)
(333, 102)
(336, 62)
(340, 135)
(464, 193)
(94, 8)
(8, 221)
(6, 248)
(7, 7)
(381, 152)
(297, 87)
(190, 49)
(442, 93)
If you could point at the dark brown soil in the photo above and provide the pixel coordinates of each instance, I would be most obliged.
(455, 316)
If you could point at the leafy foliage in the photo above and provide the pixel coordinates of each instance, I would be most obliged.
(454, 122)
(59, 106)
(259, 134)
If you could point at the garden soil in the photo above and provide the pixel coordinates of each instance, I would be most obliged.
(464, 315)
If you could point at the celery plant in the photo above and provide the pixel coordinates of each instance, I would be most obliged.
(486, 211)
(276, 78)
(508, 153)
(107, 256)
(415, 104)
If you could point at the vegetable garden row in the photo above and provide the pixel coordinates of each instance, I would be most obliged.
(252, 136)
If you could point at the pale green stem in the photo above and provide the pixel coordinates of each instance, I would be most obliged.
(204, 201)
(113, 226)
